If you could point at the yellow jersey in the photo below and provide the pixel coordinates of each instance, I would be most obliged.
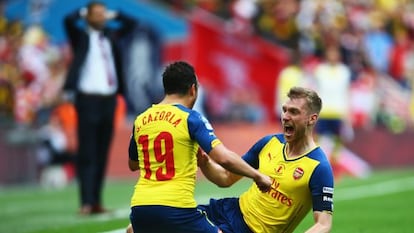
(298, 185)
(165, 141)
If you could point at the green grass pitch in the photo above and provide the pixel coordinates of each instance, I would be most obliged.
(381, 203)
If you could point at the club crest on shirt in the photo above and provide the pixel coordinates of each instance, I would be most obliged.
(298, 173)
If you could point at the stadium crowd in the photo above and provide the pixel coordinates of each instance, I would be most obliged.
(375, 39)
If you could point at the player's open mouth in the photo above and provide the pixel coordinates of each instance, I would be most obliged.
(288, 129)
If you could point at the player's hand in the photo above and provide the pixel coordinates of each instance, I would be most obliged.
(202, 158)
(129, 229)
(263, 182)
(83, 12)
(111, 14)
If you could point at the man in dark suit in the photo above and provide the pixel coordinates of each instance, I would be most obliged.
(95, 77)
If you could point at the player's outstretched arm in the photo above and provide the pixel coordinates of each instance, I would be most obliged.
(323, 222)
(214, 172)
(234, 163)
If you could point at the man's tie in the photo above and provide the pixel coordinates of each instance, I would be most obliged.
(107, 60)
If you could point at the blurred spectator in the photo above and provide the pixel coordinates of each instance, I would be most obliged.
(292, 75)
(6, 97)
(378, 43)
(276, 21)
(326, 14)
(10, 74)
(333, 80)
(398, 55)
(393, 108)
(242, 13)
(58, 146)
(352, 53)
(409, 74)
(364, 99)
(40, 88)
(318, 21)
(51, 91)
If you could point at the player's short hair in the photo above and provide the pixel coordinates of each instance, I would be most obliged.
(314, 102)
(178, 78)
(92, 4)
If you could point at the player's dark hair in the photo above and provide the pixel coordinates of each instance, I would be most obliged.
(314, 102)
(92, 4)
(178, 78)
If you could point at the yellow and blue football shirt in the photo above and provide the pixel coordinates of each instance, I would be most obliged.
(298, 185)
(165, 141)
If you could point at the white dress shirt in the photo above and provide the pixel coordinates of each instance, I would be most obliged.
(98, 67)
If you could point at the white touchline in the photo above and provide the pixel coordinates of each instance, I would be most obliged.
(122, 230)
(116, 214)
(376, 189)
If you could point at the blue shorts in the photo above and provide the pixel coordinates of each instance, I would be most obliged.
(226, 214)
(163, 219)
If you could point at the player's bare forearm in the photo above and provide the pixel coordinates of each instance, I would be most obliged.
(233, 163)
(214, 172)
(323, 222)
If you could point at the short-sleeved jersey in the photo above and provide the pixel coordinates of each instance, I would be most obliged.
(165, 141)
(298, 185)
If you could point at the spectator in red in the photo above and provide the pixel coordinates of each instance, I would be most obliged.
(398, 54)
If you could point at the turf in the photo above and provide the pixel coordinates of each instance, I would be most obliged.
(381, 203)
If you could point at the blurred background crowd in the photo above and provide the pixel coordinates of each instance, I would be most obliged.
(374, 39)
(367, 43)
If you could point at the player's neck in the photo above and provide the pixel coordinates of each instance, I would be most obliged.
(176, 99)
(298, 148)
